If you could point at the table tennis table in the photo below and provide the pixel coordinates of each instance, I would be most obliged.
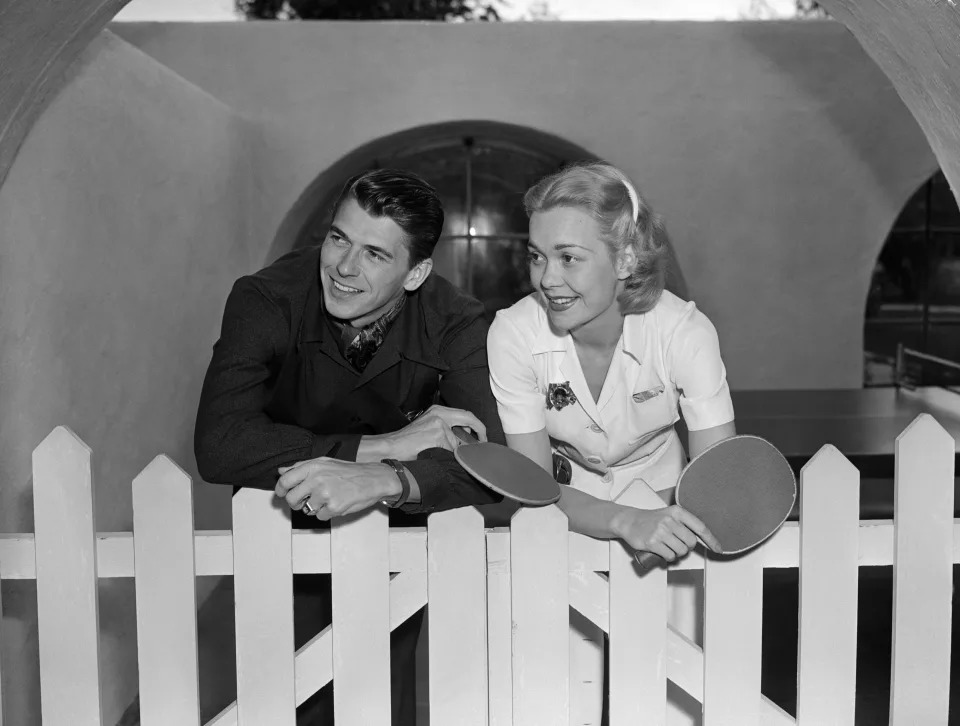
(863, 424)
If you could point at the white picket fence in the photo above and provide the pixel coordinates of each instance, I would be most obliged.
(498, 603)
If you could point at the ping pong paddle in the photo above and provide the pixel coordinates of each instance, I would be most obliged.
(505, 471)
(742, 488)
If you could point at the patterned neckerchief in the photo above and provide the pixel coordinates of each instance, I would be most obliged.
(359, 345)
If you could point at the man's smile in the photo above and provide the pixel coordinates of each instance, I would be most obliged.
(340, 287)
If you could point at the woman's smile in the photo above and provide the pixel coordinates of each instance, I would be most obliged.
(558, 304)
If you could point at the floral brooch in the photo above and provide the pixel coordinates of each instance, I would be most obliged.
(560, 395)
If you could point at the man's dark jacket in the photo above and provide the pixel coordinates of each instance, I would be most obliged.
(278, 389)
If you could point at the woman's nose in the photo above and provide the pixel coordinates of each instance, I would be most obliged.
(549, 278)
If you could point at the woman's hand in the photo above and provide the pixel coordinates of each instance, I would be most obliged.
(670, 532)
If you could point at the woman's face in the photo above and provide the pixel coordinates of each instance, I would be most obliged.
(573, 269)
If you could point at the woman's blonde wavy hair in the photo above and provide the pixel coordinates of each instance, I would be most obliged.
(626, 220)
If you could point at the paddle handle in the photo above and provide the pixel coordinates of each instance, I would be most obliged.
(464, 434)
(646, 560)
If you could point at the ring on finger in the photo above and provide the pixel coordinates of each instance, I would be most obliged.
(308, 509)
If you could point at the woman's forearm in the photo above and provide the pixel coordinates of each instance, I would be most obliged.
(593, 517)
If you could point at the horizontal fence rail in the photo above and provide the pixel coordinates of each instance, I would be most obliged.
(500, 646)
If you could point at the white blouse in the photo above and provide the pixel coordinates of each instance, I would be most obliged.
(667, 357)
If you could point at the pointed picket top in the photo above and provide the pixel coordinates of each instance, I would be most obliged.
(828, 468)
(63, 439)
(161, 474)
(926, 429)
(162, 468)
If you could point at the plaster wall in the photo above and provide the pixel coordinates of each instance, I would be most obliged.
(778, 152)
(122, 223)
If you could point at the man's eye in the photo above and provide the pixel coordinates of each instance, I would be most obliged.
(569, 259)
(377, 256)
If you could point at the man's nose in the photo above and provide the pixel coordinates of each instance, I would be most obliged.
(348, 265)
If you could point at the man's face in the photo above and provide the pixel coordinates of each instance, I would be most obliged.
(365, 265)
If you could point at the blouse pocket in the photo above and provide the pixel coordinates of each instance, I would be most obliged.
(651, 411)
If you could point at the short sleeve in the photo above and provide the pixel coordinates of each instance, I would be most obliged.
(513, 379)
(697, 369)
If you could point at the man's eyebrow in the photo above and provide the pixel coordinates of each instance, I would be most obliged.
(334, 229)
(380, 251)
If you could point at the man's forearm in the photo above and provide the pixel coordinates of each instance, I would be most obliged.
(249, 453)
(375, 447)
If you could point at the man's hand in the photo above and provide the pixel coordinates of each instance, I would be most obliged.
(334, 487)
(670, 532)
(432, 429)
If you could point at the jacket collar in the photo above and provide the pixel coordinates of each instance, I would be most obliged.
(405, 338)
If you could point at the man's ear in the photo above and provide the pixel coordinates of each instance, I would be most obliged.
(626, 262)
(418, 275)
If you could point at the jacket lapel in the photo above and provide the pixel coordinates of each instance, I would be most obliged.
(404, 340)
(317, 336)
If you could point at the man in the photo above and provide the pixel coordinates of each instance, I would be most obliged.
(323, 384)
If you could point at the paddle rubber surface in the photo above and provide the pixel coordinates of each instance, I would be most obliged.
(742, 488)
(508, 472)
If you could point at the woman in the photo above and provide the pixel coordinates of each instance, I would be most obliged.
(593, 369)
(599, 361)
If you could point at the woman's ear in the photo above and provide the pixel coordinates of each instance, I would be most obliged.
(626, 262)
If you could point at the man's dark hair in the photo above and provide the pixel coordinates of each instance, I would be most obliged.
(403, 197)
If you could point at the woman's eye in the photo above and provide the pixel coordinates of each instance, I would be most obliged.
(338, 240)
(534, 258)
(569, 259)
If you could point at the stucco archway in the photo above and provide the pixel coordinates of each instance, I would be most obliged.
(916, 43)
(39, 39)
(309, 213)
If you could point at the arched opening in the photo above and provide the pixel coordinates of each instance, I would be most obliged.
(914, 296)
(481, 170)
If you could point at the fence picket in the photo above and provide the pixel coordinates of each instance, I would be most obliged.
(165, 595)
(922, 574)
(499, 630)
(67, 618)
(732, 617)
(263, 587)
(638, 634)
(539, 555)
(829, 548)
(360, 568)
(457, 589)
(1, 651)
